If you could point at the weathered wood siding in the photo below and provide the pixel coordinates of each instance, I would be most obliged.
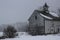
(57, 26)
(49, 26)
(52, 26)
(39, 21)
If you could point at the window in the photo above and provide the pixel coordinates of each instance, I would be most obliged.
(58, 29)
(35, 17)
(51, 29)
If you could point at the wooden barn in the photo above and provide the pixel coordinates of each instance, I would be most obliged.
(48, 22)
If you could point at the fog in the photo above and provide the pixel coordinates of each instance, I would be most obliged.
(12, 11)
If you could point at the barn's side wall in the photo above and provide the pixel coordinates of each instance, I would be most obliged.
(52, 26)
(57, 26)
(49, 26)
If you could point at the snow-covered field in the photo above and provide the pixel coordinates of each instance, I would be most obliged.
(26, 36)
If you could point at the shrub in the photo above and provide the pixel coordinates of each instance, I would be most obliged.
(10, 32)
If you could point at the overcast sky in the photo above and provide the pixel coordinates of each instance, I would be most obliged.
(12, 11)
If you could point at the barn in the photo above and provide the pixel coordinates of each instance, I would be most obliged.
(48, 22)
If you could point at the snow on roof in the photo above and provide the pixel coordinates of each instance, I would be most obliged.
(40, 8)
(45, 16)
(54, 14)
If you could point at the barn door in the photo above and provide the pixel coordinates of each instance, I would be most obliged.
(58, 29)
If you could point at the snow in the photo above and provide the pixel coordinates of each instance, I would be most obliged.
(26, 36)
(45, 16)
(54, 14)
(40, 8)
(1, 34)
(36, 38)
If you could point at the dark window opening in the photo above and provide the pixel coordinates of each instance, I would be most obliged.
(51, 29)
(35, 17)
(58, 29)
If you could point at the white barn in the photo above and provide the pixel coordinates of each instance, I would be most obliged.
(49, 22)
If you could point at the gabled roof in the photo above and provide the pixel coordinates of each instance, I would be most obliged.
(48, 16)
(35, 11)
(44, 12)
(54, 14)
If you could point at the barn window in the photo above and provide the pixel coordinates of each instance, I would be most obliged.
(58, 29)
(35, 17)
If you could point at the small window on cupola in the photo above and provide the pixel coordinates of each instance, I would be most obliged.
(35, 17)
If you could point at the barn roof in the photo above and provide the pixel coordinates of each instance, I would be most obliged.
(47, 17)
(50, 16)
(54, 14)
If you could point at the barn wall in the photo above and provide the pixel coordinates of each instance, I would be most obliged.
(52, 26)
(57, 26)
(46, 25)
(39, 21)
(49, 26)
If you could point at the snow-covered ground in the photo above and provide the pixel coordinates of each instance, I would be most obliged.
(1, 34)
(26, 36)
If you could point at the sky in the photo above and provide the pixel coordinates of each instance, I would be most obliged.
(12, 11)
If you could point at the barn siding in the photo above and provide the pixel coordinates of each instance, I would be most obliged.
(57, 25)
(52, 26)
(39, 21)
(48, 26)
